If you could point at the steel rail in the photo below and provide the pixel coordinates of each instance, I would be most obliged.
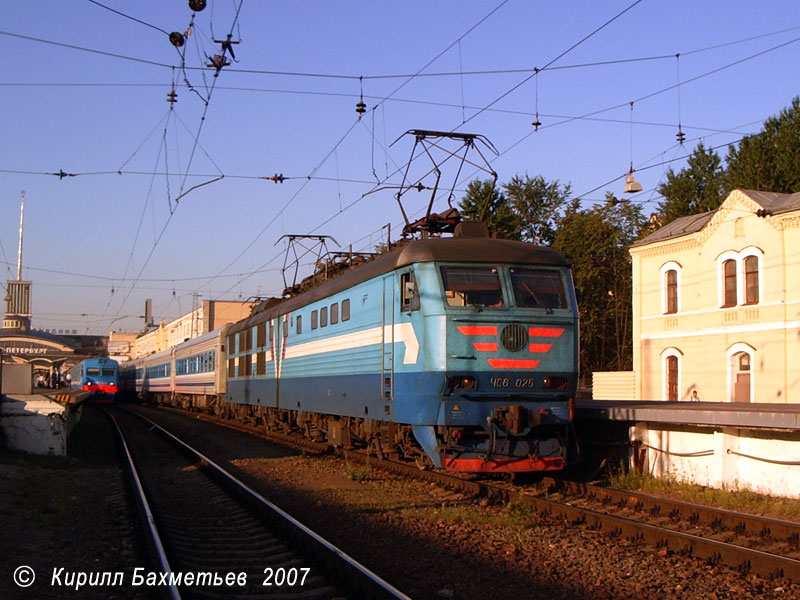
(367, 583)
(739, 557)
(747, 524)
(153, 537)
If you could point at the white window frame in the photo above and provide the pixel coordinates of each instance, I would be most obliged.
(670, 266)
(744, 254)
(721, 260)
(733, 350)
(741, 276)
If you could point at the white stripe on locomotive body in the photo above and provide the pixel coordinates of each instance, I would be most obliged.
(401, 332)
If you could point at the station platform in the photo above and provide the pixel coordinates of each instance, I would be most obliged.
(743, 415)
(717, 444)
(40, 422)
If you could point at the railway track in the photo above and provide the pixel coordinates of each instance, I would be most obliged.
(748, 543)
(213, 536)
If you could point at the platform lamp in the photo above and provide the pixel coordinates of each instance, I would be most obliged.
(631, 185)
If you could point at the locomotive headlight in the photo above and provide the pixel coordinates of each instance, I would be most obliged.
(461, 382)
(554, 383)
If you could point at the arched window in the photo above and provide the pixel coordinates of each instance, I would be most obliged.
(729, 282)
(751, 280)
(671, 284)
(670, 288)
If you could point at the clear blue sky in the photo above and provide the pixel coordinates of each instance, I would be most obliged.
(84, 91)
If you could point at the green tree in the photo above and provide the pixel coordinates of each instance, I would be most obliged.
(697, 188)
(539, 205)
(769, 161)
(595, 242)
(500, 218)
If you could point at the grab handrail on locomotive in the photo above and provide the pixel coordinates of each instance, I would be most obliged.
(457, 352)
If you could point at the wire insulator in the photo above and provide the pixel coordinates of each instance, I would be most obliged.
(176, 39)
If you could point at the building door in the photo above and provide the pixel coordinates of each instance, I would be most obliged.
(672, 378)
(740, 372)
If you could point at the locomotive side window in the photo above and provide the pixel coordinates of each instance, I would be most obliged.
(299, 324)
(323, 316)
(472, 286)
(409, 298)
(538, 288)
(346, 309)
(314, 319)
(334, 313)
(262, 334)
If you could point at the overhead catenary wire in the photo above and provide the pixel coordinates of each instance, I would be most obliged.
(338, 179)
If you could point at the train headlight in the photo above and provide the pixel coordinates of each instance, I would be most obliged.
(555, 383)
(461, 382)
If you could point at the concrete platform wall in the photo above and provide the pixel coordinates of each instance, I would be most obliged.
(761, 460)
(38, 423)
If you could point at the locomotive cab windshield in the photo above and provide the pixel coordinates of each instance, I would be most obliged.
(481, 287)
(472, 286)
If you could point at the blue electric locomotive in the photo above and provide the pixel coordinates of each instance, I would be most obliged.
(459, 352)
(97, 375)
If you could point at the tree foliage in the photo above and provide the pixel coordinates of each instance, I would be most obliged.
(500, 217)
(539, 205)
(699, 187)
(769, 161)
(595, 242)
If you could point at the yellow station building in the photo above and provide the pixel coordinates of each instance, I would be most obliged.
(716, 304)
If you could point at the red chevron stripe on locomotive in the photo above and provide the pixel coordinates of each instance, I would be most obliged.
(511, 363)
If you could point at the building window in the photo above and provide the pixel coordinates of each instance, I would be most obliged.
(671, 283)
(751, 279)
(729, 278)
